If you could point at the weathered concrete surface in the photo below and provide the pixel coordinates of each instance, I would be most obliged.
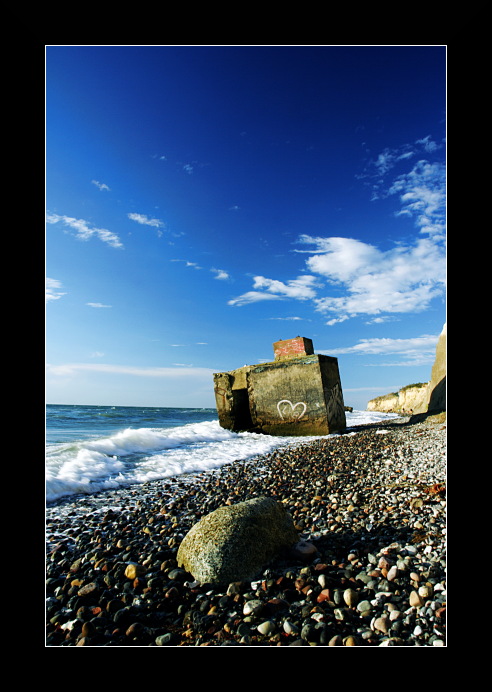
(301, 396)
(231, 397)
(234, 542)
(292, 395)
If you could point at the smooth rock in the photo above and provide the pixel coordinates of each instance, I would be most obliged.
(415, 600)
(350, 597)
(253, 607)
(267, 628)
(134, 570)
(381, 624)
(290, 627)
(234, 542)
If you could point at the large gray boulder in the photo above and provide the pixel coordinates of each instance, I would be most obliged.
(234, 542)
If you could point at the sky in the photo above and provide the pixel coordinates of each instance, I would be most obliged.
(204, 202)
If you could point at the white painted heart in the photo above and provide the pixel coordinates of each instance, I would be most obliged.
(293, 407)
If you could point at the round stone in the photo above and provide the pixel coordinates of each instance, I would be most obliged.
(290, 627)
(267, 628)
(364, 607)
(252, 607)
(350, 597)
(415, 600)
(133, 570)
(381, 624)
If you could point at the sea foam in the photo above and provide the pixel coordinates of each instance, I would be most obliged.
(138, 455)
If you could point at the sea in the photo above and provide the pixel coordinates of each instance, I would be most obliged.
(94, 448)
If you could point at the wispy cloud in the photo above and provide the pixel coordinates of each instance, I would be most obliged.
(84, 230)
(287, 319)
(220, 274)
(187, 263)
(52, 292)
(101, 186)
(419, 345)
(400, 280)
(391, 160)
(422, 195)
(302, 288)
(72, 369)
(98, 305)
(144, 220)
(348, 277)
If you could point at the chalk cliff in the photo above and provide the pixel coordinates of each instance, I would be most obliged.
(409, 398)
(422, 397)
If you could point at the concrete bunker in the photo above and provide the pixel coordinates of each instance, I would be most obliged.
(298, 393)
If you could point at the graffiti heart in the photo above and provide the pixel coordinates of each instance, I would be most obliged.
(296, 415)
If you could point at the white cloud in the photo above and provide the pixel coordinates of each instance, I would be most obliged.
(221, 274)
(72, 369)
(101, 186)
(187, 263)
(359, 277)
(301, 288)
(51, 290)
(390, 159)
(98, 305)
(428, 144)
(252, 297)
(145, 221)
(404, 279)
(84, 230)
(287, 319)
(401, 280)
(422, 194)
(414, 346)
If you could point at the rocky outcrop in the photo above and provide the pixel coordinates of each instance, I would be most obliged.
(234, 542)
(436, 392)
(419, 398)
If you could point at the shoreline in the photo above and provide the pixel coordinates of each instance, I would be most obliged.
(371, 501)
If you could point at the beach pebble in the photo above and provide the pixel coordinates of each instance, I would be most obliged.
(415, 599)
(370, 578)
(364, 607)
(253, 607)
(350, 597)
(267, 628)
(290, 628)
(134, 570)
(381, 624)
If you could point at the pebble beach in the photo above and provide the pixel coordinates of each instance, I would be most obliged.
(370, 509)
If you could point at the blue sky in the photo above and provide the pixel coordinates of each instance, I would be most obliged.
(203, 202)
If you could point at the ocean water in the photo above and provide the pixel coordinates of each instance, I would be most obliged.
(94, 448)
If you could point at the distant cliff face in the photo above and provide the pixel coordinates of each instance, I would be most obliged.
(419, 398)
(436, 393)
(410, 398)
